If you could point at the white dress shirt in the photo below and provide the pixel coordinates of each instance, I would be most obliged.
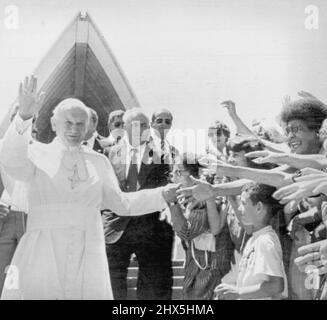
(139, 155)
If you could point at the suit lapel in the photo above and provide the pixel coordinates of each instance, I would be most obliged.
(118, 160)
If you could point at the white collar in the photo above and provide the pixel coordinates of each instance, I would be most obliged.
(48, 157)
(156, 139)
(262, 231)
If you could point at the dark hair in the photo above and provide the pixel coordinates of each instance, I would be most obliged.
(221, 128)
(312, 112)
(191, 164)
(248, 144)
(263, 193)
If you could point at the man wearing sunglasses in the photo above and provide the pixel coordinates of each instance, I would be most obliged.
(115, 127)
(161, 124)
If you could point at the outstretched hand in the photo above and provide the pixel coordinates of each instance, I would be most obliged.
(169, 192)
(265, 156)
(314, 254)
(214, 166)
(200, 191)
(29, 101)
(299, 190)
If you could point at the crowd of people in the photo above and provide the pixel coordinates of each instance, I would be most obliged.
(251, 212)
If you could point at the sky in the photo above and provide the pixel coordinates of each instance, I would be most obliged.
(184, 55)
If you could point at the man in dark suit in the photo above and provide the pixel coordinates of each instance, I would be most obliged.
(115, 127)
(161, 123)
(138, 166)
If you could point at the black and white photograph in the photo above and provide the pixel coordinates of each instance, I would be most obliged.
(164, 150)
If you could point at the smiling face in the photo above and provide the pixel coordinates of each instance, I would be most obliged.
(301, 139)
(162, 123)
(71, 125)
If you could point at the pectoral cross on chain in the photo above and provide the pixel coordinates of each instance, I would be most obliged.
(75, 178)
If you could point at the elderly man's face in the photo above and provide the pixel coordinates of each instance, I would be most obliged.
(71, 126)
(137, 129)
(162, 123)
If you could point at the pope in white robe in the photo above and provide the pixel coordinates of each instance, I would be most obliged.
(62, 254)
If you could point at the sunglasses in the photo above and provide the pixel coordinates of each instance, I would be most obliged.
(167, 121)
(118, 124)
(293, 129)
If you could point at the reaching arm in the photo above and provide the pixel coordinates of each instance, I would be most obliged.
(269, 177)
(241, 127)
(177, 218)
(131, 203)
(216, 219)
(298, 161)
(230, 188)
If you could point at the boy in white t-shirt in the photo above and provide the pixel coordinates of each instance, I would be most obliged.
(261, 273)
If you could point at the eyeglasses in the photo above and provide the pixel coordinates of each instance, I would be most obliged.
(118, 124)
(167, 121)
(293, 129)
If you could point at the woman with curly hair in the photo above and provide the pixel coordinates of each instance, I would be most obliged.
(303, 119)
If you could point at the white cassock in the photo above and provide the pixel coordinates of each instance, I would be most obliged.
(62, 254)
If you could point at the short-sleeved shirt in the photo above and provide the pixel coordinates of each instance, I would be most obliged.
(262, 257)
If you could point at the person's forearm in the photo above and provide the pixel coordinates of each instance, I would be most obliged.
(241, 127)
(214, 218)
(266, 289)
(177, 218)
(230, 188)
(300, 161)
(275, 179)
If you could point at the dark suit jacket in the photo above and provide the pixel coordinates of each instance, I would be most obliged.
(97, 147)
(152, 174)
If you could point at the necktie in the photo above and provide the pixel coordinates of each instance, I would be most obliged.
(132, 172)
(162, 145)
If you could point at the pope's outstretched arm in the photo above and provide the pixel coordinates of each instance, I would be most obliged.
(131, 203)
